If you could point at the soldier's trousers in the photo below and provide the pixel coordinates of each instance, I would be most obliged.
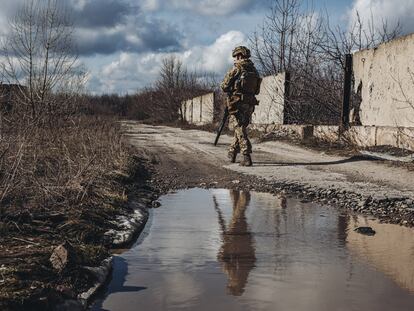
(239, 122)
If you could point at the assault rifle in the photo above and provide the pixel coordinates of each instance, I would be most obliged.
(222, 124)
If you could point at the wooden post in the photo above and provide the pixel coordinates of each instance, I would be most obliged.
(192, 111)
(347, 91)
(201, 109)
(286, 98)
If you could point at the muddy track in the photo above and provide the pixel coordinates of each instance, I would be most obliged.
(187, 158)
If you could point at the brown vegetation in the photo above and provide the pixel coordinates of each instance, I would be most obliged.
(58, 184)
(64, 173)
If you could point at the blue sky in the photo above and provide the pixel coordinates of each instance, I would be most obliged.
(122, 42)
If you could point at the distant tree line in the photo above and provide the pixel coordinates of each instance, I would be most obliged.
(160, 102)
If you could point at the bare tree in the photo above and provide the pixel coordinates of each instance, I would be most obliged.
(40, 55)
(289, 42)
(273, 43)
(337, 42)
(296, 39)
(360, 34)
(175, 84)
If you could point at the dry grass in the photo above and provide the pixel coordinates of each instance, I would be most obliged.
(61, 182)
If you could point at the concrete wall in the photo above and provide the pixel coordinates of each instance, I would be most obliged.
(326, 132)
(290, 130)
(368, 136)
(199, 110)
(386, 74)
(362, 136)
(272, 101)
(187, 107)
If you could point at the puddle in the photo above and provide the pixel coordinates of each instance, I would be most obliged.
(234, 250)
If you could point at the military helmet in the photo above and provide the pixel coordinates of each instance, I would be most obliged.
(245, 52)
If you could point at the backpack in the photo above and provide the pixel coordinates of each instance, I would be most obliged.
(249, 81)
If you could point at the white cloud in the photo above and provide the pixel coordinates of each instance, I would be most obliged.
(126, 74)
(78, 4)
(151, 5)
(131, 71)
(203, 7)
(109, 26)
(388, 11)
(8, 9)
(215, 58)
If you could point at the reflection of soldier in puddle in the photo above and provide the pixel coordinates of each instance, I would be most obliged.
(237, 254)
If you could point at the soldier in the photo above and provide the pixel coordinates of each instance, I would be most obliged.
(241, 83)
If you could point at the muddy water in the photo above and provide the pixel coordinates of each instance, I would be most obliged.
(231, 250)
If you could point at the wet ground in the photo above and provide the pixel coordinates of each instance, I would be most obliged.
(235, 250)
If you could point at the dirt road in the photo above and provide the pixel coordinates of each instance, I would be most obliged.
(357, 182)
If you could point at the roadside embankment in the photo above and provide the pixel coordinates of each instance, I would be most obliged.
(66, 200)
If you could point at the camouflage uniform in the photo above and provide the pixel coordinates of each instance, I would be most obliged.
(241, 106)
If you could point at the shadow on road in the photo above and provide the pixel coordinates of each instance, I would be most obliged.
(343, 161)
(212, 144)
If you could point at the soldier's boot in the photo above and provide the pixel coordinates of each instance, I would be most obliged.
(247, 160)
(232, 156)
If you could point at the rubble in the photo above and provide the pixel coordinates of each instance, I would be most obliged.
(62, 256)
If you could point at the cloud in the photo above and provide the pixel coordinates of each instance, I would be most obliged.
(204, 7)
(110, 26)
(131, 71)
(100, 13)
(128, 73)
(389, 11)
(151, 5)
(124, 41)
(215, 7)
(135, 35)
(8, 9)
(214, 58)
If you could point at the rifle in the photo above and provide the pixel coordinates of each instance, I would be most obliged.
(221, 127)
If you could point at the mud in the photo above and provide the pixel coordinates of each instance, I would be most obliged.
(238, 250)
(176, 159)
(187, 158)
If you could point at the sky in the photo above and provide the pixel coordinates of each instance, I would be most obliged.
(122, 42)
